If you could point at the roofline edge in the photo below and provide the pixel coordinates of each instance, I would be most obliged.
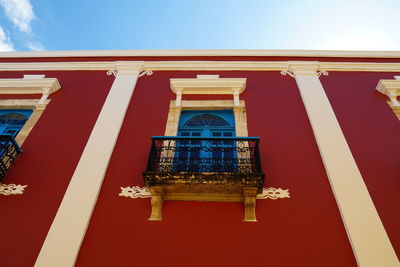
(207, 53)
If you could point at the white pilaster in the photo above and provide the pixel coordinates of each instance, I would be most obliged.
(68, 229)
(370, 243)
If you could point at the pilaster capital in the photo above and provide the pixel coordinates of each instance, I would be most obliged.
(126, 68)
(311, 68)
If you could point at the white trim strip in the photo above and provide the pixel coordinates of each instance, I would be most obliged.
(182, 53)
(200, 65)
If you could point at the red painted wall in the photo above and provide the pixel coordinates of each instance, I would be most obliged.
(50, 155)
(372, 131)
(305, 230)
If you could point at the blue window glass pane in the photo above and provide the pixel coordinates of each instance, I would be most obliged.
(12, 120)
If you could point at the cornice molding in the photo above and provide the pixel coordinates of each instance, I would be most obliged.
(196, 65)
(224, 86)
(225, 52)
(389, 87)
(29, 86)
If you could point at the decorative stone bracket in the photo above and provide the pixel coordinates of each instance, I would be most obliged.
(249, 202)
(11, 189)
(391, 88)
(291, 71)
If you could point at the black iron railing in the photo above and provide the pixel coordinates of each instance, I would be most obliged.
(9, 150)
(204, 155)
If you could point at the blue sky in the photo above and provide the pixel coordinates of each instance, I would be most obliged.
(199, 24)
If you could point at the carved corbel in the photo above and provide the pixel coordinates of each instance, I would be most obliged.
(236, 98)
(157, 198)
(391, 88)
(250, 194)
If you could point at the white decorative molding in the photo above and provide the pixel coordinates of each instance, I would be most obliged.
(203, 52)
(175, 109)
(224, 86)
(208, 86)
(391, 88)
(11, 189)
(322, 72)
(120, 67)
(142, 192)
(116, 68)
(287, 72)
(273, 193)
(135, 192)
(198, 65)
(304, 67)
(146, 72)
(112, 71)
(29, 85)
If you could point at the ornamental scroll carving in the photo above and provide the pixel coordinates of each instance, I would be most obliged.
(142, 192)
(135, 192)
(273, 193)
(11, 189)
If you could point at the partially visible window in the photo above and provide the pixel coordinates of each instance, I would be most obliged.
(12, 120)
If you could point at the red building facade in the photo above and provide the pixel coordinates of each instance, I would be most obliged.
(329, 129)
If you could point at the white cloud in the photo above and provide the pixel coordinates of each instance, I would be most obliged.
(5, 43)
(20, 12)
(35, 46)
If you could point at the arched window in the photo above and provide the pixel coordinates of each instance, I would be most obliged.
(206, 120)
(12, 121)
(207, 123)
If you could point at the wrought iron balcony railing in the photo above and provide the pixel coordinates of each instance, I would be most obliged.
(209, 169)
(239, 155)
(9, 150)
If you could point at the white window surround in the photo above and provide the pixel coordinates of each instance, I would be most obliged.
(239, 113)
(391, 88)
(207, 85)
(213, 86)
(30, 84)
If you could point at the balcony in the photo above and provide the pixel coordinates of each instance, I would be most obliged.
(204, 169)
(9, 150)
